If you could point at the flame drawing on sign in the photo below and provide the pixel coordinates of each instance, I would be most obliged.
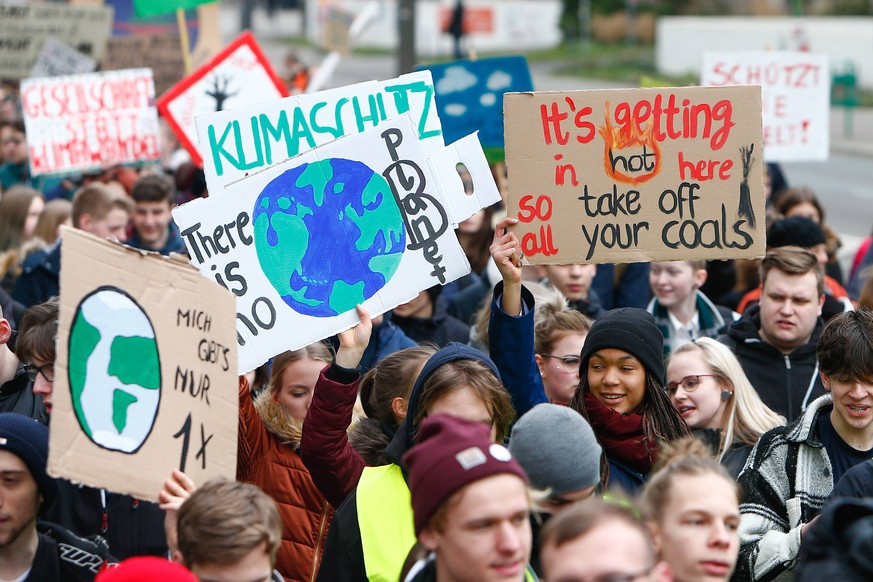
(630, 154)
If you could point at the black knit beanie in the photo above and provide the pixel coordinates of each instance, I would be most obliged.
(632, 330)
(798, 231)
(29, 440)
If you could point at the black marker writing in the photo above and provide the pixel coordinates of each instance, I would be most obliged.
(418, 208)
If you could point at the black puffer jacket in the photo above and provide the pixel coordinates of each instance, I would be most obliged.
(839, 546)
(786, 383)
(64, 557)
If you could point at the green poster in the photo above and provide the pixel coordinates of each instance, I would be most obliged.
(148, 8)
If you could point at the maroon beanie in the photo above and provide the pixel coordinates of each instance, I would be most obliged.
(147, 569)
(451, 453)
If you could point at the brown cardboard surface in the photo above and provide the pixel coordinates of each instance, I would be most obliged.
(25, 27)
(630, 175)
(98, 435)
(162, 53)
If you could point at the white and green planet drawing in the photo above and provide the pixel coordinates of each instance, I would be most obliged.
(114, 370)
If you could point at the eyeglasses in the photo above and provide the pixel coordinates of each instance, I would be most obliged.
(568, 363)
(47, 371)
(610, 577)
(688, 383)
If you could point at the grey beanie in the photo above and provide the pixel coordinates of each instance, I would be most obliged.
(557, 449)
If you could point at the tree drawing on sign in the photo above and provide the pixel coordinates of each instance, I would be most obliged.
(745, 206)
(220, 92)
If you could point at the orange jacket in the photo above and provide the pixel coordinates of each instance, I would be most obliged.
(268, 458)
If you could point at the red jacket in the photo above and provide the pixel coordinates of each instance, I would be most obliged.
(268, 458)
(334, 465)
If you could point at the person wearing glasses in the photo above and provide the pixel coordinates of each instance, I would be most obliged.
(712, 393)
(15, 380)
(534, 343)
(621, 372)
(692, 508)
(599, 541)
(131, 527)
(559, 333)
(35, 345)
(682, 312)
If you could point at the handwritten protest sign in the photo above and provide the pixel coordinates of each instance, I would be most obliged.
(242, 141)
(336, 24)
(89, 121)
(25, 27)
(145, 375)
(56, 59)
(238, 76)
(795, 97)
(159, 52)
(470, 97)
(239, 142)
(622, 176)
(366, 219)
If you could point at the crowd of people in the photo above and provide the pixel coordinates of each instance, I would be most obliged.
(686, 420)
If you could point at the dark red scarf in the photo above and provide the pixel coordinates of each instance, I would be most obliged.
(621, 435)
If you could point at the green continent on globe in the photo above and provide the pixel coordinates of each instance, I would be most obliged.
(329, 235)
(121, 401)
(84, 337)
(134, 360)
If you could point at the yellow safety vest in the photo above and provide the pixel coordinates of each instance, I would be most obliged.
(385, 520)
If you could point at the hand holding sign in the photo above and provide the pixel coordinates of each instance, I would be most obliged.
(363, 220)
(506, 251)
(353, 341)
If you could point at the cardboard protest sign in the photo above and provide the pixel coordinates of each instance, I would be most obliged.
(470, 97)
(145, 375)
(366, 219)
(336, 24)
(97, 120)
(621, 176)
(159, 52)
(25, 27)
(242, 141)
(795, 97)
(238, 76)
(56, 59)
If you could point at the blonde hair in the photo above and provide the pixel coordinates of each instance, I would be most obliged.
(224, 520)
(685, 457)
(319, 351)
(55, 213)
(554, 320)
(746, 416)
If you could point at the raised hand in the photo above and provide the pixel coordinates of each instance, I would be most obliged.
(354, 341)
(506, 252)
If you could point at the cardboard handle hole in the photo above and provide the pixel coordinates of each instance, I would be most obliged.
(466, 178)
